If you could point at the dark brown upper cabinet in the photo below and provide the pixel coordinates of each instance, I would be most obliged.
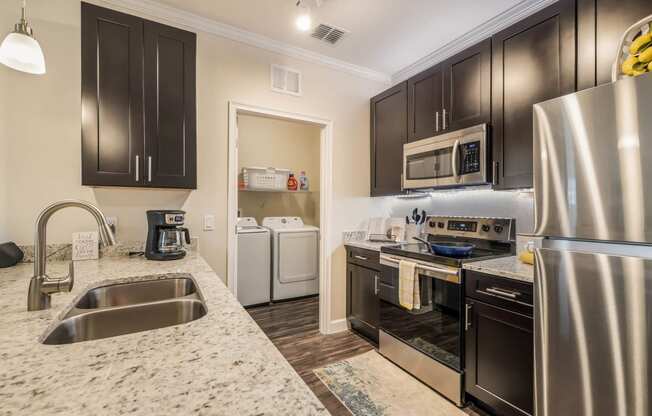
(467, 88)
(533, 61)
(426, 104)
(170, 130)
(388, 135)
(600, 24)
(452, 95)
(138, 102)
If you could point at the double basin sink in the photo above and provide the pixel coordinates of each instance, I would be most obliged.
(125, 308)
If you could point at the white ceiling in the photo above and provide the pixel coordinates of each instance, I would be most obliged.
(386, 35)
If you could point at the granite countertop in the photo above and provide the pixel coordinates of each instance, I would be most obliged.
(370, 245)
(510, 267)
(220, 364)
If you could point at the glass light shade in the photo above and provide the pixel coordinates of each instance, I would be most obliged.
(304, 22)
(22, 53)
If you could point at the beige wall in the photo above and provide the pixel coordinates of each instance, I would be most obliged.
(271, 142)
(42, 125)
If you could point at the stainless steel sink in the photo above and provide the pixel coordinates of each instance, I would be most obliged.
(136, 292)
(126, 308)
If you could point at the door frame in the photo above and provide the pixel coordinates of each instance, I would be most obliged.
(325, 201)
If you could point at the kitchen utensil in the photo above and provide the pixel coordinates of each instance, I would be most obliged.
(423, 216)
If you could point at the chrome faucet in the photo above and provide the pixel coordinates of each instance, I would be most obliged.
(41, 286)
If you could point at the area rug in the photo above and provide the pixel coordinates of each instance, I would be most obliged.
(370, 385)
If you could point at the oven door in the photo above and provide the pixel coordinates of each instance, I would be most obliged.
(436, 328)
(453, 159)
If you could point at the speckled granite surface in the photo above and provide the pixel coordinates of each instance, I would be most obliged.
(368, 245)
(510, 267)
(221, 364)
(63, 251)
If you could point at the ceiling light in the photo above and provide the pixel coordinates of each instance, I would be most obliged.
(303, 21)
(20, 51)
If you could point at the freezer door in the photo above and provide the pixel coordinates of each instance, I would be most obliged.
(593, 334)
(592, 170)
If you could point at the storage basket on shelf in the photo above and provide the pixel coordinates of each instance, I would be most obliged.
(263, 179)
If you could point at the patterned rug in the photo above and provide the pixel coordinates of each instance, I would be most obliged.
(370, 385)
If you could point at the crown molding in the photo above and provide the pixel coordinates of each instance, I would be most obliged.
(191, 21)
(490, 27)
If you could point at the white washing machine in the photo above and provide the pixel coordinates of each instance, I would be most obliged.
(254, 262)
(295, 257)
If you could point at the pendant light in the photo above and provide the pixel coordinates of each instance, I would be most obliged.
(303, 20)
(20, 51)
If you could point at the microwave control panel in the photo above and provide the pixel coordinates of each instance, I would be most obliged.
(470, 157)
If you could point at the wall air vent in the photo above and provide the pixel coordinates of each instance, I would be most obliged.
(328, 33)
(285, 80)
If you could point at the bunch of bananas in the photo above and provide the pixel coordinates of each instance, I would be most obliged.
(639, 60)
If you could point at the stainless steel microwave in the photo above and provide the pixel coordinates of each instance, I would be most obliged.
(459, 158)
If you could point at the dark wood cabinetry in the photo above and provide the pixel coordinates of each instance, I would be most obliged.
(426, 104)
(600, 24)
(467, 88)
(388, 134)
(533, 61)
(499, 368)
(363, 282)
(452, 95)
(138, 102)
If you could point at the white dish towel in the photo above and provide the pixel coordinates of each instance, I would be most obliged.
(409, 295)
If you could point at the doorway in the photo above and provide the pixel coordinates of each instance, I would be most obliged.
(311, 205)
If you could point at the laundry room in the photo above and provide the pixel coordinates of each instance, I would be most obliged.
(278, 211)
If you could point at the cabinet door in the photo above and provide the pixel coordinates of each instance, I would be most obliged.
(500, 359)
(467, 88)
(170, 111)
(533, 61)
(364, 308)
(388, 135)
(425, 98)
(112, 97)
(600, 24)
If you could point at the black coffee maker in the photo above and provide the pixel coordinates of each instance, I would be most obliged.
(165, 235)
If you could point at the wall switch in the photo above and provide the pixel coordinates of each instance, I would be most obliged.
(209, 222)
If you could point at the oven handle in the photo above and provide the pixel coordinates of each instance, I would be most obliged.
(456, 147)
(421, 266)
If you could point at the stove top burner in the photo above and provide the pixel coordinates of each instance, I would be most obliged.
(420, 251)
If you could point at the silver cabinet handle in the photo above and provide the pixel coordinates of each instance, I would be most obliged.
(444, 118)
(467, 317)
(361, 258)
(437, 121)
(456, 148)
(149, 168)
(494, 172)
(137, 168)
(376, 284)
(502, 292)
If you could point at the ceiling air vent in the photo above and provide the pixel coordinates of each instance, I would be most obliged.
(328, 33)
(286, 80)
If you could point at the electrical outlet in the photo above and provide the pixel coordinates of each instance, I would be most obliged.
(113, 223)
(209, 222)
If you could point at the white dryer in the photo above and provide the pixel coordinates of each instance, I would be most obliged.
(254, 260)
(295, 257)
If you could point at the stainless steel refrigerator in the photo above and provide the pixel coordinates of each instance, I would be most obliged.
(593, 284)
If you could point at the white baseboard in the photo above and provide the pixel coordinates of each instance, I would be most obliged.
(338, 325)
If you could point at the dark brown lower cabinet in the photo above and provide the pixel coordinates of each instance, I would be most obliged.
(363, 305)
(500, 359)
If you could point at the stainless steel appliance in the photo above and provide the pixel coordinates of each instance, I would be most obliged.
(165, 235)
(593, 285)
(454, 159)
(429, 342)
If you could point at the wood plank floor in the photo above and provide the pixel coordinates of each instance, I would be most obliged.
(294, 328)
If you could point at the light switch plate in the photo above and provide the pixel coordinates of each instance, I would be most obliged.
(209, 222)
